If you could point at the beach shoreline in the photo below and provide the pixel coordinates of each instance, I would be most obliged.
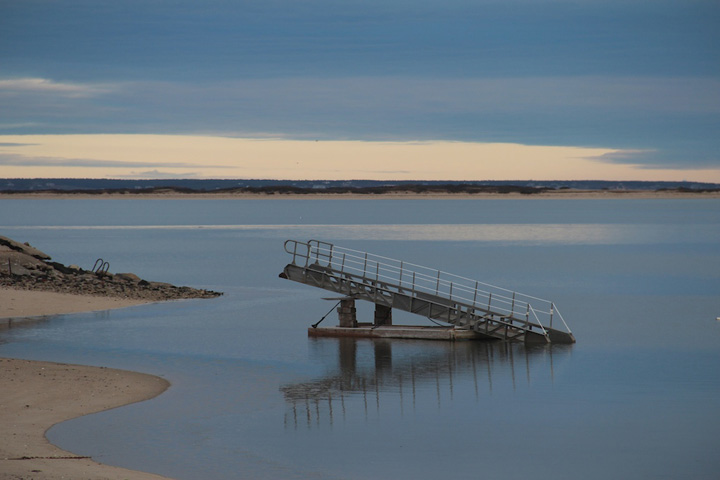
(38, 395)
(18, 304)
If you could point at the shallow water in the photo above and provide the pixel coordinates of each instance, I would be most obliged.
(637, 280)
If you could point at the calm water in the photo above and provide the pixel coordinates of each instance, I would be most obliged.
(253, 397)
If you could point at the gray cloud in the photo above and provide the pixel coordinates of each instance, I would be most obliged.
(622, 74)
(19, 126)
(692, 95)
(156, 174)
(670, 118)
(39, 161)
(34, 86)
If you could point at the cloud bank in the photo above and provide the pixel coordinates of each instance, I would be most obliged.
(184, 156)
(637, 77)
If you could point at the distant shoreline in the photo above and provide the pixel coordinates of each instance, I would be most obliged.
(566, 194)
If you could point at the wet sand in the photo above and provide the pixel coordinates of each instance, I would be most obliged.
(18, 304)
(37, 395)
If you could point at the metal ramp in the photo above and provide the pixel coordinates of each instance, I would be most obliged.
(489, 311)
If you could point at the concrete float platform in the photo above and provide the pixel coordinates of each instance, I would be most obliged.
(397, 331)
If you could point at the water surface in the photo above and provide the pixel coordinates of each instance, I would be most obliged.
(252, 397)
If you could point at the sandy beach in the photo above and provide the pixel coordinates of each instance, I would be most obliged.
(37, 395)
(16, 305)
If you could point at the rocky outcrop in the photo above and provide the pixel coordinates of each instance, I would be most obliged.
(25, 267)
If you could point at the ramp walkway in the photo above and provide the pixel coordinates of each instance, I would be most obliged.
(488, 311)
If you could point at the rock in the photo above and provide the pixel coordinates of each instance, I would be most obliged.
(24, 248)
(20, 270)
(128, 277)
(61, 268)
(31, 272)
(14, 258)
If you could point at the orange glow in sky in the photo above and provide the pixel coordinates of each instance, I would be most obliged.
(184, 156)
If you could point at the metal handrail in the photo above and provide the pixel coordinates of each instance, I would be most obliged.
(101, 266)
(418, 278)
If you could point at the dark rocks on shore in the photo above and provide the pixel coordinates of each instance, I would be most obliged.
(25, 267)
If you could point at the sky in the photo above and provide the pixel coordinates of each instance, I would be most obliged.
(361, 89)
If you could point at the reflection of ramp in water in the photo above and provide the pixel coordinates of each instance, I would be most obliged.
(472, 306)
(399, 375)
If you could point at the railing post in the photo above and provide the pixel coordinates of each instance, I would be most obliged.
(512, 306)
(527, 315)
(365, 266)
(401, 272)
(451, 285)
(437, 286)
(375, 283)
(342, 267)
(552, 308)
(475, 296)
(377, 273)
(489, 300)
